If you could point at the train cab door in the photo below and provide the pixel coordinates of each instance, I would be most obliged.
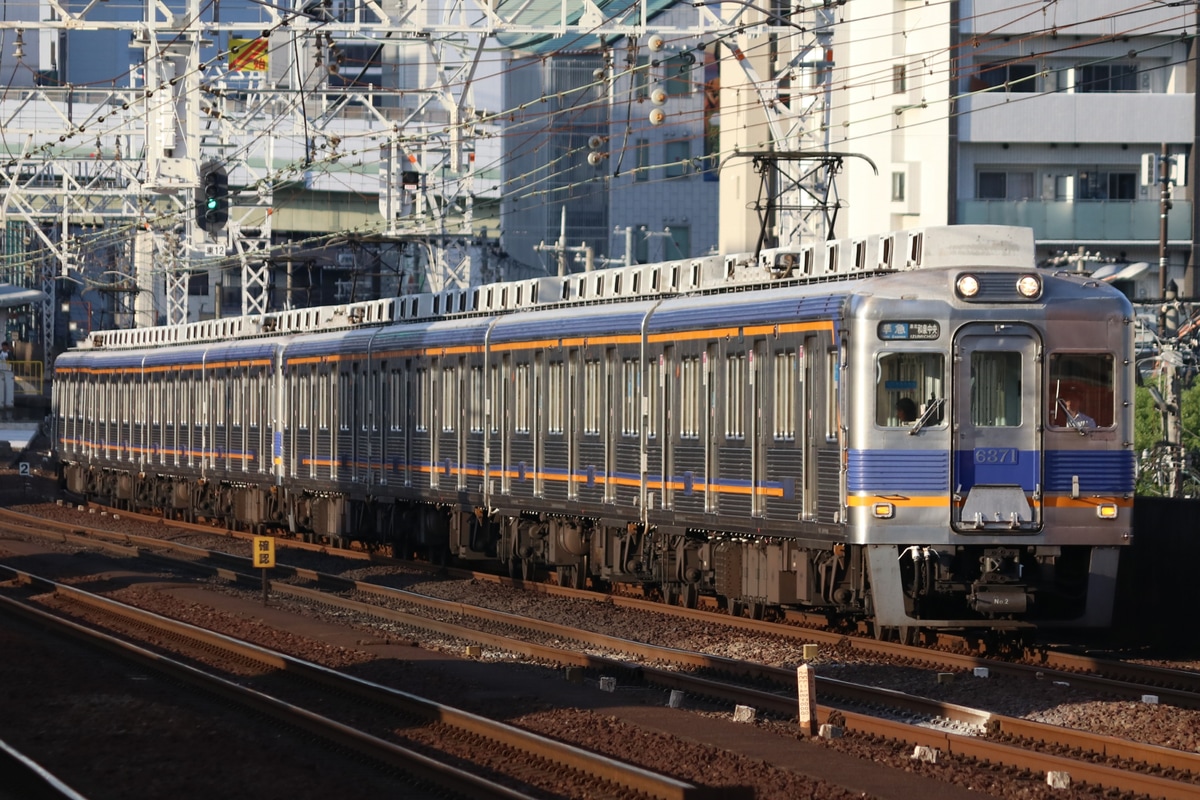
(997, 425)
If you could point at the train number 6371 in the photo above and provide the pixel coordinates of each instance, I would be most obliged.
(995, 455)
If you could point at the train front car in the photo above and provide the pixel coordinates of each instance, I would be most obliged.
(990, 470)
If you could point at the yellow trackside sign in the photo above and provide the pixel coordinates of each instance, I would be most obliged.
(264, 552)
(249, 55)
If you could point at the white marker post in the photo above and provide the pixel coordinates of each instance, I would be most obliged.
(806, 690)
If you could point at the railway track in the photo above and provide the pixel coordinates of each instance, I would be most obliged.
(1141, 768)
(1098, 673)
(531, 758)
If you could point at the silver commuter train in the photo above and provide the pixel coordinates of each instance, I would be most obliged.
(920, 429)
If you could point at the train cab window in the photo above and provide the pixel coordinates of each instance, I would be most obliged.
(1082, 384)
(907, 384)
(996, 389)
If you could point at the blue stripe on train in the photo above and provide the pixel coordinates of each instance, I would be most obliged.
(898, 471)
(1099, 471)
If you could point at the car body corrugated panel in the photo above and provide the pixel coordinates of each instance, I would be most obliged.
(1104, 471)
(742, 309)
(899, 471)
(575, 321)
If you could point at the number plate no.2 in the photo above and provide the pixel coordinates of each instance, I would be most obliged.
(995, 455)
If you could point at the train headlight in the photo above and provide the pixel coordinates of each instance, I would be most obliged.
(1029, 286)
(967, 285)
(883, 510)
(1106, 511)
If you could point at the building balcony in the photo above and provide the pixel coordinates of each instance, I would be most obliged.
(1083, 220)
(1070, 118)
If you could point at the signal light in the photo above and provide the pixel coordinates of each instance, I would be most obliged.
(212, 201)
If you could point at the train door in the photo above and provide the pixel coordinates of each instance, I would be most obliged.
(809, 427)
(670, 430)
(574, 417)
(997, 424)
(758, 443)
(710, 429)
(502, 411)
(538, 427)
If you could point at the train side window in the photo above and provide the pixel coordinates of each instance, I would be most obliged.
(906, 384)
(475, 406)
(631, 400)
(554, 398)
(593, 396)
(653, 389)
(832, 377)
(521, 416)
(1084, 383)
(735, 396)
(784, 411)
(395, 406)
(422, 400)
(689, 398)
(449, 398)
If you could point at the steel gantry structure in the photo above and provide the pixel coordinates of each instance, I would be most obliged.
(257, 90)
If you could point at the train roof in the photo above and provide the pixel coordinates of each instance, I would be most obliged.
(966, 246)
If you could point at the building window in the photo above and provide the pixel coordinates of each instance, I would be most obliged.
(1107, 186)
(1004, 77)
(1004, 186)
(678, 243)
(641, 245)
(899, 79)
(679, 155)
(677, 79)
(1106, 78)
(642, 148)
(898, 179)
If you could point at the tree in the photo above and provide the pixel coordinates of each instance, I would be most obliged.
(1148, 434)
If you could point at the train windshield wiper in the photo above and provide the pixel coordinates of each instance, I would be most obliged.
(1073, 420)
(928, 415)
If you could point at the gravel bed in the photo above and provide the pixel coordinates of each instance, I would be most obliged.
(1046, 701)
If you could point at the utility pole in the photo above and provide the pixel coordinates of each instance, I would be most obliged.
(1168, 333)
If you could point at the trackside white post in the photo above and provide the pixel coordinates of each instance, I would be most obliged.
(806, 692)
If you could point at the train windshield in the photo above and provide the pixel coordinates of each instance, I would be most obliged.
(1081, 389)
(907, 383)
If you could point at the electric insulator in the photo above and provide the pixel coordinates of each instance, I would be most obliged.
(595, 142)
(657, 116)
(655, 42)
(658, 95)
(595, 158)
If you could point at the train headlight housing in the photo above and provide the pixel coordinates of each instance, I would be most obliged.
(1106, 511)
(967, 285)
(1029, 286)
(883, 510)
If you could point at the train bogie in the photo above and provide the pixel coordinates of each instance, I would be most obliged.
(897, 430)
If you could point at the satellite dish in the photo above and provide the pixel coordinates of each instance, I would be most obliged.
(1107, 271)
(1135, 270)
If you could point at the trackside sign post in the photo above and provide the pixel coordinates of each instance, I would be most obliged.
(264, 558)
